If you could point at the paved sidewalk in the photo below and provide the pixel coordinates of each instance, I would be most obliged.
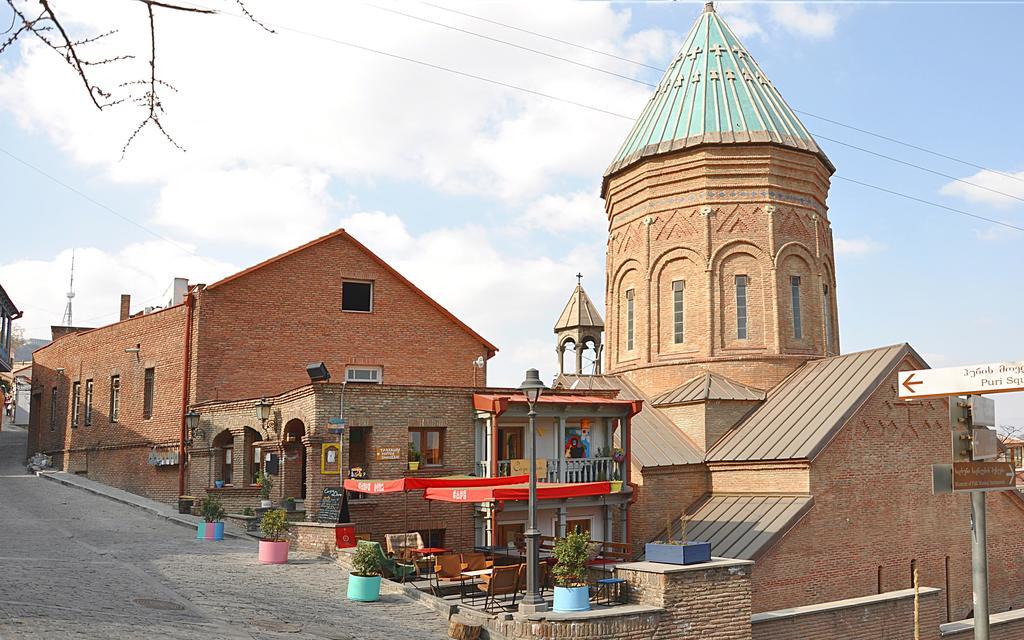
(160, 509)
(83, 561)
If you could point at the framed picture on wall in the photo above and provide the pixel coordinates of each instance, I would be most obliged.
(330, 459)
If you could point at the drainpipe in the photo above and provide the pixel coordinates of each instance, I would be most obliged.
(185, 379)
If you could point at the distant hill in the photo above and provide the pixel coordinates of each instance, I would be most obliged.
(24, 352)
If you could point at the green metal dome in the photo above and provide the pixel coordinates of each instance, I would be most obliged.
(713, 93)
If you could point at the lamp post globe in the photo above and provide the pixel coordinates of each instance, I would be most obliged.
(532, 602)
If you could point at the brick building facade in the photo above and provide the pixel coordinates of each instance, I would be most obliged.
(109, 402)
(722, 318)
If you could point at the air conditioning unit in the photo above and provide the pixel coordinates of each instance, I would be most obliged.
(362, 374)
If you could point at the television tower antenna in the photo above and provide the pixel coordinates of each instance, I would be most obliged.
(71, 294)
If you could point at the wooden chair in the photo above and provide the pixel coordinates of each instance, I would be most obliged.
(502, 581)
(475, 562)
(448, 569)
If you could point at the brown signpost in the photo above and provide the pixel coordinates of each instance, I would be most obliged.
(983, 476)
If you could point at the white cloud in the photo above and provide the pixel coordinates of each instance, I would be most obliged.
(856, 246)
(144, 270)
(814, 21)
(279, 207)
(267, 119)
(1008, 183)
(468, 274)
(579, 212)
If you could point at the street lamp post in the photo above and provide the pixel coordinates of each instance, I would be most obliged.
(532, 601)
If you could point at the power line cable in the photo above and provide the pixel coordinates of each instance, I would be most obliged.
(806, 113)
(99, 204)
(541, 35)
(507, 43)
(929, 202)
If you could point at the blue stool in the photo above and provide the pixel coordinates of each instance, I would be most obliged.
(608, 585)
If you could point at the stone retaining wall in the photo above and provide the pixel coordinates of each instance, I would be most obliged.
(1008, 625)
(879, 617)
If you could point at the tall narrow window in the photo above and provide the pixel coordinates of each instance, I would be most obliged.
(256, 468)
(794, 290)
(629, 319)
(115, 397)
(827, 306)
(949, 597)
(147, 393)
(741, 307)
(53, 408)
(76, 390)
(88, 402)
(678, 319)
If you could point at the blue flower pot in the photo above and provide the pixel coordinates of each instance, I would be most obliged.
(218, 484)
(568, 599)
(364, 588)
(687, 553)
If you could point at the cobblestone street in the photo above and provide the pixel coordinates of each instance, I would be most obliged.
(76, 565)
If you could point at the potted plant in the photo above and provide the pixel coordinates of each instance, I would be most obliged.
(266, 484)
(364, 581)
(219, 484)
(212, 526)
(616, 481)
(677, 551)
(273, 545)
(571, 590)
(288, 504)
(414, 457)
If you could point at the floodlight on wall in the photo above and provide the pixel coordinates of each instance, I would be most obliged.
(317, 372)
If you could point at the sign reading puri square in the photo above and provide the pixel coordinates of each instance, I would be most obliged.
(998, 377)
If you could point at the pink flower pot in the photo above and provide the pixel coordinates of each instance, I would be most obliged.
(273, 552)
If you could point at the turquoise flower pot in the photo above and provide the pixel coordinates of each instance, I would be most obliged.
(364, 588)
(568, 599)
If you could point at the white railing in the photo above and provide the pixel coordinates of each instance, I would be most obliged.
(570, 470)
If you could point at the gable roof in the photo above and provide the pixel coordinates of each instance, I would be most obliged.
(579, 312)
(708, 386)
(714, 92)
(805, 411)
(744, 526)
(491, 349)
(657, 441)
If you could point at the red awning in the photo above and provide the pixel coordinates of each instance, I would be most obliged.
(545, 491)
(497, 403)
(413, 484)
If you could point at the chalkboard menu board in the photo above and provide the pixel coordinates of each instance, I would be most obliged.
(331, 505)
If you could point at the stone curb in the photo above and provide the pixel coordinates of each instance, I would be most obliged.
(183, 522)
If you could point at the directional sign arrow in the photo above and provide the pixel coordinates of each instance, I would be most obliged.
(909, 383)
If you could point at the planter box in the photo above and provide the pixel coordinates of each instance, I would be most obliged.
(688, 553)
(569, 599)
(363, 588)
(273, 552)
(210, 531)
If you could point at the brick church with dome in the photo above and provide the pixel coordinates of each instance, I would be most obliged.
(756, 429)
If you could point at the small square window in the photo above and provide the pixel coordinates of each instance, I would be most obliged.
(357, 296)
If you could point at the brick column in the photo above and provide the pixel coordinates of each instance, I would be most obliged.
(707, 600)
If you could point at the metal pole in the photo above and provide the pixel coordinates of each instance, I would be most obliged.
(979, 565)
(532, 601)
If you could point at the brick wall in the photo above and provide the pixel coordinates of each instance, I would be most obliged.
(887, 616)
(710, 600)
(704, 216)
(256, 333)
(114, 452)
(386, 412)
(662, 492)
(874, 517)
(791, 476)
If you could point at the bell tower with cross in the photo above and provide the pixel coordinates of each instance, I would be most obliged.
(720, 254)
(581, 326)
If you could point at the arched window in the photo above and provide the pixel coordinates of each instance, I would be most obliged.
(794, 294)
(678, 311)
(629, 319)
(741, 307)
(255, 453)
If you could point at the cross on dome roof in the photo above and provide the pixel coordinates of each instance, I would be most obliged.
(693, 106)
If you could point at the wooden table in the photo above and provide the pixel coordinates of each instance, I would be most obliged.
(429, 551)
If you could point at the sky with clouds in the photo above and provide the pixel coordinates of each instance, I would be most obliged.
(487, 196)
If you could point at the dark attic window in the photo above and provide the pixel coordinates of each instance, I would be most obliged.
(357, 296)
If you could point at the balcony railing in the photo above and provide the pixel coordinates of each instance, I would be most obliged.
(569, 470)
